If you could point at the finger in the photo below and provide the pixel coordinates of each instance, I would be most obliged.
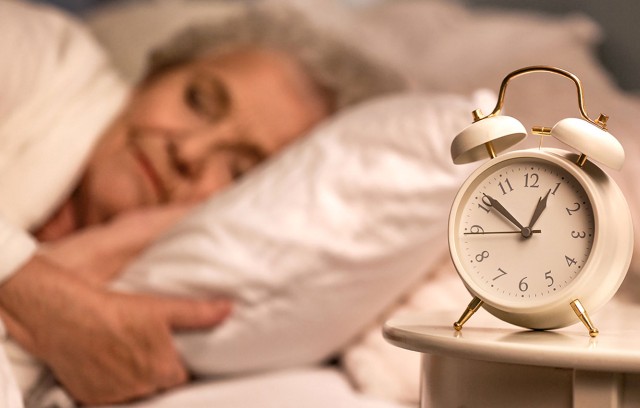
(145, 225)
(176, 375)
(181, 314)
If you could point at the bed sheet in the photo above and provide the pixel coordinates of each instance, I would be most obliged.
(304, 387)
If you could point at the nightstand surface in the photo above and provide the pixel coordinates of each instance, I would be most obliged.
(490, 363)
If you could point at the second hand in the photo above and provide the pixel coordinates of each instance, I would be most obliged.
(500, 232)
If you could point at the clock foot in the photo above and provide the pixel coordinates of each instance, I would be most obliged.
(582, 314)
(473, 307)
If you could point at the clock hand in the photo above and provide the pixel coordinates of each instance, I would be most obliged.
(501, 232)
(542, 204)
(500, 208)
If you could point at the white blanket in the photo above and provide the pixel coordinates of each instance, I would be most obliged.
(58, 93)
(308, 387)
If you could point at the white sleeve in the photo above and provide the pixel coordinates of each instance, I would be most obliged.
(58, 92)
(16, 247)
(10, 395)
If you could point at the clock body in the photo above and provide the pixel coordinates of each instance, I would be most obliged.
(530, 231)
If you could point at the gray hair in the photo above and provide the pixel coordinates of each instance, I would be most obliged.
(347, 73)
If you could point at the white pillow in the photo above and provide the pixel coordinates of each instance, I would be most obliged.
(316, 244)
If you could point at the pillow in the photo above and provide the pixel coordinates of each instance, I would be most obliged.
(447, 46)
(317, 243)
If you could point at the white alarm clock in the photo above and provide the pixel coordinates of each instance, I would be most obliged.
(541, 236)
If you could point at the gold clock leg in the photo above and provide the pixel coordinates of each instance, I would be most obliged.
(582, 314)
(473, 307)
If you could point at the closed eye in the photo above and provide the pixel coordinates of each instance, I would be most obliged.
(207, 96)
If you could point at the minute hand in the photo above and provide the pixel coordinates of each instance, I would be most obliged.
(496, 204)
(542, 204)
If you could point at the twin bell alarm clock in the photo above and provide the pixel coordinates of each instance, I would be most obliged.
(539, 236)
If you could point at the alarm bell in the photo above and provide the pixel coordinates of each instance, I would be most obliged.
(495, 133)
(590, 140)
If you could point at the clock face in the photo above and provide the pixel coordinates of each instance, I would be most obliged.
(523, 231)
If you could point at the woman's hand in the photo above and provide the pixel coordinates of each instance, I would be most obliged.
(99, 253)
(103, 347)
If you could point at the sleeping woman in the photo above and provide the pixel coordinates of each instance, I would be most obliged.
(216, 102)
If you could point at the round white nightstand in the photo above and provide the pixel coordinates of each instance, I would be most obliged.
(493, 364)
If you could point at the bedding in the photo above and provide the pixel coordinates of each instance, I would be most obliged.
(353, 197)
(309, 387)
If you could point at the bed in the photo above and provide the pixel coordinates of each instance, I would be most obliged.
(363, 229)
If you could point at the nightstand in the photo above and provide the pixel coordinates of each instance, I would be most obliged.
(493, 364)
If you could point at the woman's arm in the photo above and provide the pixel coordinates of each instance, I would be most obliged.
(104, 347)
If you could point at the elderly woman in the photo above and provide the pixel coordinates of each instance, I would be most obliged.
(216, 102)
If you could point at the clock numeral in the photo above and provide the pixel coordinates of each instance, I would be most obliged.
(570, 261)
(555, 189)
(482, 256)
(576, 234)
(487, 202)
(572, 210)
(502, 273)
(508, 184)
(548, 277)
(531, 180)
(523, 286)
(476, 229)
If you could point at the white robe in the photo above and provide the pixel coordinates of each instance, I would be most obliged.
(58, 91)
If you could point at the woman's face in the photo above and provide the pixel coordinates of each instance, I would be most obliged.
(192, 130)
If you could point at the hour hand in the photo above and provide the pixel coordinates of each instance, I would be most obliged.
(542, 204)
(500, 208)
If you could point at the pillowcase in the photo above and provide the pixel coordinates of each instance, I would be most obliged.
(448, 46)
(321, 240)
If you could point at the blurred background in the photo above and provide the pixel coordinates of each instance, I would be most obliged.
(618, 51)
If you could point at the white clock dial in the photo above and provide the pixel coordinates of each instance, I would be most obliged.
(523, 231)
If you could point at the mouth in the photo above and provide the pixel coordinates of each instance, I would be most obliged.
(151, 173)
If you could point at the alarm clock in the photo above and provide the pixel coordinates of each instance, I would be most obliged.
(540, 236)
